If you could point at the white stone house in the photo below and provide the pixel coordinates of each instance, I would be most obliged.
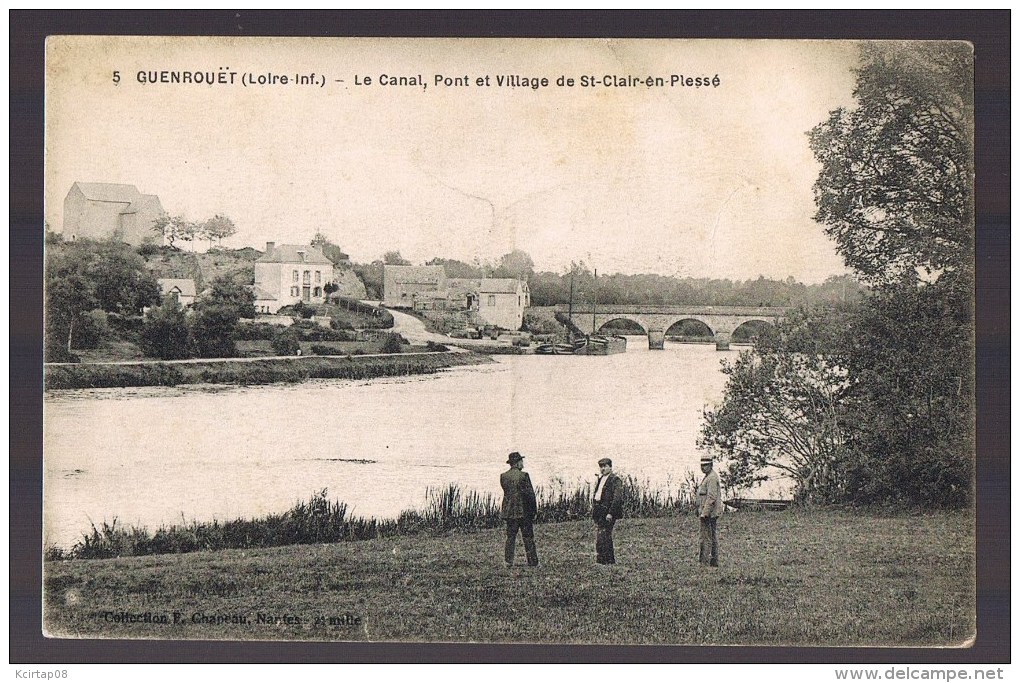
(495, 301)
(104, 210)
(289, 273)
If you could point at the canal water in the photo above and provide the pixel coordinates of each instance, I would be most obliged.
(152, 456)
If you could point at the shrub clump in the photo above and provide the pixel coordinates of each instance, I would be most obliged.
(287, 343)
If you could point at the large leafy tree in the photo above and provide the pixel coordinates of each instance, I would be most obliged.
(909, 351)
(213, 330)
(228, 291)
(218, 228)
(88, 275)
(783, 416)
(516, 264)
(895, 189)
(217, 312)
(173, 227)
(895, 192)
(165, 332)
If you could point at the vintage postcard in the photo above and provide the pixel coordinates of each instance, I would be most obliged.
(509, 341)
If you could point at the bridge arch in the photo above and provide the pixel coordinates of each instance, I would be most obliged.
(634, 323)
(692, 328)
(747, 330)
(721, 320)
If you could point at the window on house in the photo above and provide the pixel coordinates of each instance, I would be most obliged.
(307, 277)
(318, 291)
(295, 276)
(294, 291)
(318, 276)
(492, 299)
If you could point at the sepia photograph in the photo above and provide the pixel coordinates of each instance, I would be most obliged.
(517, 340)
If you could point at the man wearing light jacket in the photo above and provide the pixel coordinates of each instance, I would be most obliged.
(710, 506)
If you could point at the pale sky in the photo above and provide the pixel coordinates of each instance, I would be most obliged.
(686, 181)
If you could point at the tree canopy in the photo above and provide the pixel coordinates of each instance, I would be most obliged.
(87, 275)
(218, 228)
(895, 189)
(873, 401)
(516, 264)
(329, 249)
(393, 258)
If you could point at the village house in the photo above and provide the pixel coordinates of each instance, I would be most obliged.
(491, 301)
(289, 273)
(496, 301)
(401, 283)
(104, 210)
(181, 290)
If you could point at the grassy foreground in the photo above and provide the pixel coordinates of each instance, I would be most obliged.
(792, 578)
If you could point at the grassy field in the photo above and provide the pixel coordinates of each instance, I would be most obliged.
(792, 578)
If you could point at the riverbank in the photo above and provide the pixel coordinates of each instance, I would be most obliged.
(817, 577)
(321, 520)
(251, 371)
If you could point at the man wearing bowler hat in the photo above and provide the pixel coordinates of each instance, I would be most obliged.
(518, 509)
(605, 510)
(710, 506)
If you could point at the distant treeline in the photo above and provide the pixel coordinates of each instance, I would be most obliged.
(548, 289)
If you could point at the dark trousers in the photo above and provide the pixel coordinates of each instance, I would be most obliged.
(604, 542)
(709, 542)
(527, 533)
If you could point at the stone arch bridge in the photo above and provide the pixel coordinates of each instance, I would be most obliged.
(655, 320)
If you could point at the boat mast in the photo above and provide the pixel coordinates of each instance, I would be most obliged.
(594, 299)
(570, 304)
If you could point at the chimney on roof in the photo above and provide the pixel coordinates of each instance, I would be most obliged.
(269, 247)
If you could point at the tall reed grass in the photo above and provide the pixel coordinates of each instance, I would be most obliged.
(320, 520)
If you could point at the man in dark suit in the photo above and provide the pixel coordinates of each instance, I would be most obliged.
(605, 510)
(518, 509)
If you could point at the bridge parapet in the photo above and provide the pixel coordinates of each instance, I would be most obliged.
(764, 311)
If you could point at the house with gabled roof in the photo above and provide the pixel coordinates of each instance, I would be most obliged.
(289, 273)
(110, 210)
(401, 283)
(496, 301)
(490, 301)
(181, 289)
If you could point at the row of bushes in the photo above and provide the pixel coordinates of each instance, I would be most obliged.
(383, 317)
(323, 521)
(94, 376)
(306, 330)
